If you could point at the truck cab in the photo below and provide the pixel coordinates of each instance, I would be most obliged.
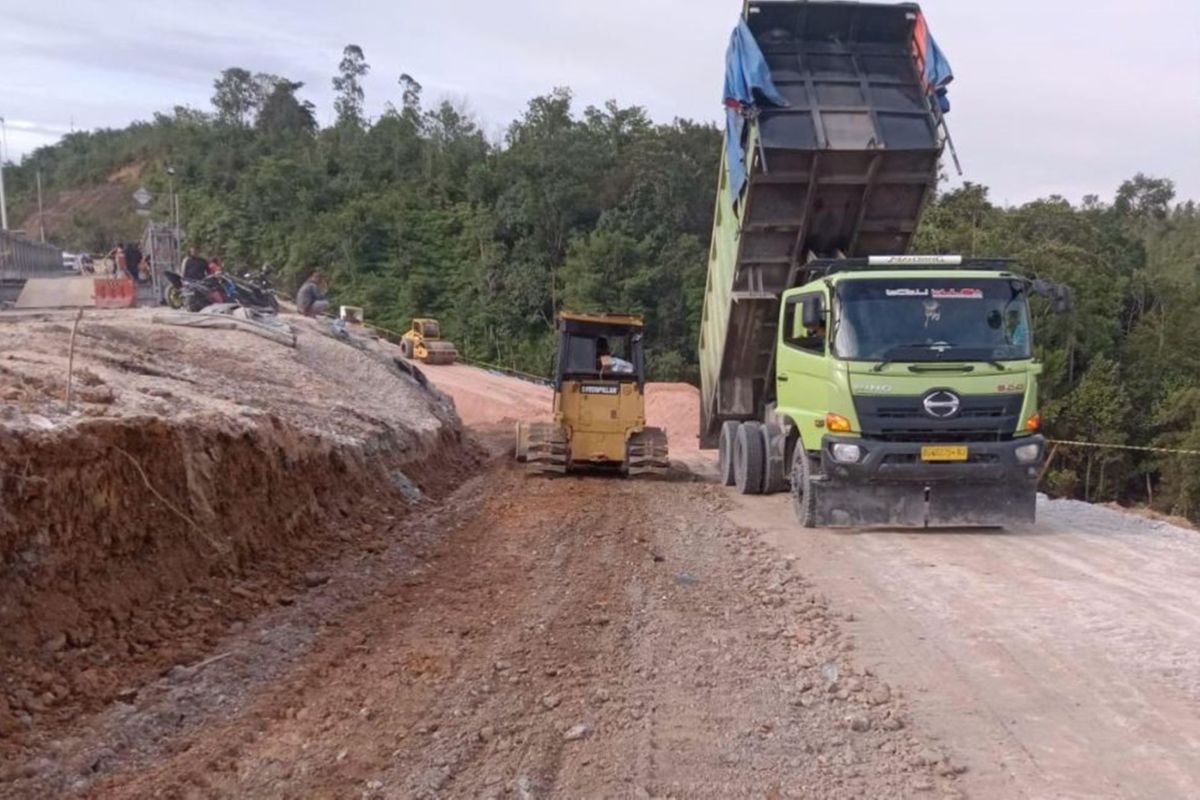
(907, 395)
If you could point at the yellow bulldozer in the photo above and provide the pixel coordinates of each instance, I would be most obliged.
(424, 342)
(599, 402)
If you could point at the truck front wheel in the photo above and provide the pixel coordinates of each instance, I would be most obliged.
(804, 500)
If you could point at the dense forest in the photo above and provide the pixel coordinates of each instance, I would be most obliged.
(418, 212)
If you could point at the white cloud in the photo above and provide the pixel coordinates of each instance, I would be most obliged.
(1069, 97)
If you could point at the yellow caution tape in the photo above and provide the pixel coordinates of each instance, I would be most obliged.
(1167, 450)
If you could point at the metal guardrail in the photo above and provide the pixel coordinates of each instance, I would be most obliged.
(21, 259)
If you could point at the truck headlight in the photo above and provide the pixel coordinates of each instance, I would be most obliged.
(1028, 453)
(846, 453)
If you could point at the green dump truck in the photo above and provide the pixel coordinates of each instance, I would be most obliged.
(879, 388)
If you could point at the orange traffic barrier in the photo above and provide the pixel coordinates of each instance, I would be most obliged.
(114, 292)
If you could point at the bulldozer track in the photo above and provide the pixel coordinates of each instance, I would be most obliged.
(548, 449)
(646, 453)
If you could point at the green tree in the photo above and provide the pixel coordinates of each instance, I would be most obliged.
(283, 112)
(348, 85)
(1096, 411)
(235, 95)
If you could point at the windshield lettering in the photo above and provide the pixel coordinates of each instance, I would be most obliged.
(957, 294)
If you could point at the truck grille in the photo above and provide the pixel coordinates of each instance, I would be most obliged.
(991, 417)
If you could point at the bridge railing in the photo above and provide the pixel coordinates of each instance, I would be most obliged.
(21, 259)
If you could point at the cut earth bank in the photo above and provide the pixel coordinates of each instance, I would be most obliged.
(192, 463)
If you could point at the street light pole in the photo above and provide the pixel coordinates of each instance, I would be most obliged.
(174, 210)
(3, 153)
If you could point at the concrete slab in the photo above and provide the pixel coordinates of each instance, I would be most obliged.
(64, 292)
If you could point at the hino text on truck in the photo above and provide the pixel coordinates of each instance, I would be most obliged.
(879, 388)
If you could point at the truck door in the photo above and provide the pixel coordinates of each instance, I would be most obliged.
(802, 364)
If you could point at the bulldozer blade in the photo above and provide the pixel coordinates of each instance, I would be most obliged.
(1002, 505)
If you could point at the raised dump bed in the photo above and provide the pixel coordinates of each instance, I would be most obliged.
(844, 168)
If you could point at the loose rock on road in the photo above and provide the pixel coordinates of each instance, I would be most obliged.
(578, 637)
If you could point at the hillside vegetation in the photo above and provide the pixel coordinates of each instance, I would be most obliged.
(417, 212)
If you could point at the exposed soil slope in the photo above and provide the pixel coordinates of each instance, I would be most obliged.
(190, 461)
(105, 210)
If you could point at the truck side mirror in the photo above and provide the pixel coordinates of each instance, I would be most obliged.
(1060, 296)
(812, 312)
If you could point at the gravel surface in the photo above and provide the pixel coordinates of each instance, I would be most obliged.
(584, 637)
(1060, 659)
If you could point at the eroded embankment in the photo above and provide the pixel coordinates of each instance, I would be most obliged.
(131, 542)
(124, 539)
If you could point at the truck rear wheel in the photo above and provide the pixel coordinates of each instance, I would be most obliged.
(804, 500)
(749, 459)
(725, 448)
(775, 466)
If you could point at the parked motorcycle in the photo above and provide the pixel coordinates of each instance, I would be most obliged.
(252, 292)
(256, 290)
(183, 293)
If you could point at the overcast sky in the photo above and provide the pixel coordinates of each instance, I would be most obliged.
(1051, 96)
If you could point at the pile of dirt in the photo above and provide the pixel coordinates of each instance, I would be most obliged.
(486, 398)
(194, 477)
(675, 407)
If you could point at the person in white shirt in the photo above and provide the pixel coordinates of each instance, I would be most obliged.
(610, 363)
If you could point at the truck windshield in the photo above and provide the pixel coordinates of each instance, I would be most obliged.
(932, 319)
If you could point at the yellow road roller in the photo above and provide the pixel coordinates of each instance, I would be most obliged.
(423, 342)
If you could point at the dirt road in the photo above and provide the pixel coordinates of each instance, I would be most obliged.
(1059, 661)
(577, 637)
(595, 637)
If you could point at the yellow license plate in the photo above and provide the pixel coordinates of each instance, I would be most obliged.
(954, 452)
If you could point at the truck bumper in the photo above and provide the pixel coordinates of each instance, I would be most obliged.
(891, 485)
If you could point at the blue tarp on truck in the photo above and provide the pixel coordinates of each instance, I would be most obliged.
(747, 80)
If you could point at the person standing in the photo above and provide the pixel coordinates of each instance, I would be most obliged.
(195, 266)
(120, 269)
(133, 260)
(311, 300)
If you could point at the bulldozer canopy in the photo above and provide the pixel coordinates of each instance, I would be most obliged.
(584, 340)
